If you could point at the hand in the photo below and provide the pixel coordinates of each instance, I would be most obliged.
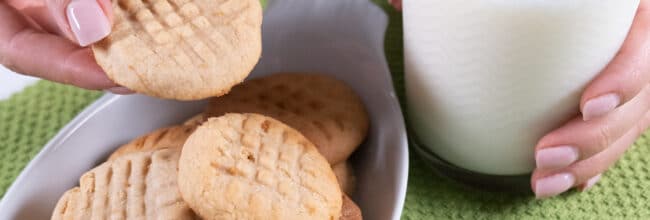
(47, 39)
(396, 3)
(615, 112)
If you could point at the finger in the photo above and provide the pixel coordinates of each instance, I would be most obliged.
(30, 52)
(397, 4)
(582, 139)
(35, 12)
(548, 183)
(120, 91)
(626, 75)
(40, 18)
(82, 21)
(590, 183)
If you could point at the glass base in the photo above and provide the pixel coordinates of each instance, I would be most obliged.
(499, 183)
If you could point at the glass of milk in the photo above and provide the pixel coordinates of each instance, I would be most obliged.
(486, 79)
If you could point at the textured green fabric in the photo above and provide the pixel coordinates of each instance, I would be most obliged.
(30, 118)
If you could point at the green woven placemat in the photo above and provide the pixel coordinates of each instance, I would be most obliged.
(30, 118)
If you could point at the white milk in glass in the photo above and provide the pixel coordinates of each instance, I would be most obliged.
(486, 79)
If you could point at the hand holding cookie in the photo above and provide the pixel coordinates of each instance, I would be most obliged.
(173, 49)
(47, 39)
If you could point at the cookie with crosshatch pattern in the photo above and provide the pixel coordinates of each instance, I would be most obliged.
(345, 175)
(196, 120)
(324, 109)
(135, 186)
(181, 49)
(168, 137)
(350, 210)
(249, 166)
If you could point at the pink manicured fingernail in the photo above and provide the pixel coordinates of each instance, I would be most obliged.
(87, 21)
(600, 106)
(553, 185)
(556, 157)
(397, 4)
(591, 182)
(120, 91)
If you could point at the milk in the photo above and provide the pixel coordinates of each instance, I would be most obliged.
(486, 79)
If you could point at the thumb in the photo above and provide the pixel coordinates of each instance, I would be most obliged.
(82, 21)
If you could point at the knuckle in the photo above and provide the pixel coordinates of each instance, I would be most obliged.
(604, 138)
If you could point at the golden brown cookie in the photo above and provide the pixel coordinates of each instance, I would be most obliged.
(136, 186)
(169, 137)
(196, 120)
(322, 108)
(181, 49)
(350, 210)
(345, 175)
(249, 166)
(66, 206)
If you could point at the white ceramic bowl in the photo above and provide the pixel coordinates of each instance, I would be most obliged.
(341, 38)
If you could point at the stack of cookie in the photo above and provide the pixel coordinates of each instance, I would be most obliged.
(273, 148)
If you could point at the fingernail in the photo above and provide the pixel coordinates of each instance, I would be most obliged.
(591, 182)
(397, 4)
(556, 157)
(87, 21)
(553, 185)
(120, 90)
(600, 106)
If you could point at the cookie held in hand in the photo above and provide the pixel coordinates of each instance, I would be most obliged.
(181, 49)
